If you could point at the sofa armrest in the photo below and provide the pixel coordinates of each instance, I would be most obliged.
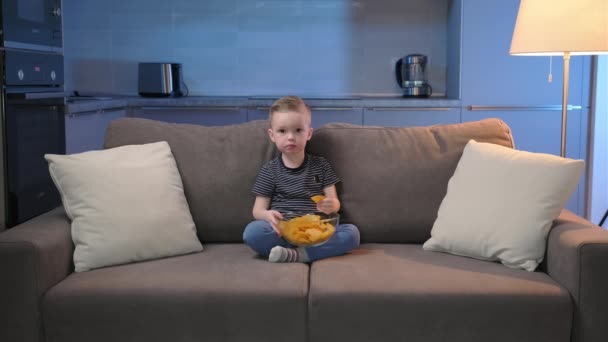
(34, 256)
(577, 258)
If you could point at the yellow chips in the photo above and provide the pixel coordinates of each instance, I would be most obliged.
(317, 198)
(307, 230)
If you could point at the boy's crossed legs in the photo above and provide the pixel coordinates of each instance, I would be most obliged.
(260, 237)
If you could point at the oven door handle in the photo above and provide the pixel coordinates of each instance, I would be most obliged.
(36, 96)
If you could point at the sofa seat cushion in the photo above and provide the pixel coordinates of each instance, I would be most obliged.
(401, 292)
(225, 293)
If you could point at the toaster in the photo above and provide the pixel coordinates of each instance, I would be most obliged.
(160, 80)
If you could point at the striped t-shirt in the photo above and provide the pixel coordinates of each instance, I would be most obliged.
(291, 189)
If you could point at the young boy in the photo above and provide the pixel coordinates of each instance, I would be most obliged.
(287, 183)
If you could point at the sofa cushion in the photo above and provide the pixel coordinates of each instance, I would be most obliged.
(222, 294)
(218, 166)
(393, 179)
(126, 204)
(501, 203)
(394, 292)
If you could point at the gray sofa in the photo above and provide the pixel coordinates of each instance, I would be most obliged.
(393, 181)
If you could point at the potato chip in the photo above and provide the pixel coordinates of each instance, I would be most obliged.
(317, 198)
(313, 233)
(307, 230)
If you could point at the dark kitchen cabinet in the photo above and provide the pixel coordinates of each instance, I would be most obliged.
(206, 116)
(539, 130)
(516, 88)
(257, 113)
(85, 131)
(410, 116)
(492, 77)
(325, 115)
(320, 115)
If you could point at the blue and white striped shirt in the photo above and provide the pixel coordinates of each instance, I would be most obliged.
(291, 189)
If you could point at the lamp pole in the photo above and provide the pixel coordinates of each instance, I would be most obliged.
(565, 102)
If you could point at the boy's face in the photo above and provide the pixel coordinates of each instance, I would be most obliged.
(290, 131)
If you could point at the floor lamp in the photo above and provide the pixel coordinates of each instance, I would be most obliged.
(561, 28)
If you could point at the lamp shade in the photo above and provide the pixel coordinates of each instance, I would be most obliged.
(553, 27)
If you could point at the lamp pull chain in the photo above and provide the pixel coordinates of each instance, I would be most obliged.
(550, 68)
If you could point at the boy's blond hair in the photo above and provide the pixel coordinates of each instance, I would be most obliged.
(288, 104)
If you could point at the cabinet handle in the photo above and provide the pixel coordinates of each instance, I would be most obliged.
(313, 108)
(96, 111)
(186, 108)
(522, 108)
(36, 96)
(401, 109)
(331, 108)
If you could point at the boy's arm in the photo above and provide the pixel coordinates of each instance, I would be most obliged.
(260, 206)
(261, 212)
(331, 203)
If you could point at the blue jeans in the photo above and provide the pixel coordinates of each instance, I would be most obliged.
(260, 237)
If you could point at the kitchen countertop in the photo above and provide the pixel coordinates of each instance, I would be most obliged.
(88, 104)
(92, 104)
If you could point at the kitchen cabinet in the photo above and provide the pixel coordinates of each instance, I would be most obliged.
(539, 130)
(492, 77)
(410, 116)
(257, 113)
(206, 116)
(516, 88)
(320, 115)
(325, 115)
(85, 131)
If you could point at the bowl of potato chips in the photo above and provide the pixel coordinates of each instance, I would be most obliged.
(308, 229)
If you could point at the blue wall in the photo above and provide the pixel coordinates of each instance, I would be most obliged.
(253, 47)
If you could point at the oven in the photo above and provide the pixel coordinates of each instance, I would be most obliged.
(32, 25)
(32, 108)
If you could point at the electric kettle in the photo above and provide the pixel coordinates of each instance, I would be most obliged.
(411, 76)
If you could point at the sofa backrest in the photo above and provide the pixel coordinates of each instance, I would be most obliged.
(394, 179)
(218, 166)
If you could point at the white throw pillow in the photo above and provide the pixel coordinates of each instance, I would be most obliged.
(500, 204)
(126, 204)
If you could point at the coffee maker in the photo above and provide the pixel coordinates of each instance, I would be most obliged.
(411, 76)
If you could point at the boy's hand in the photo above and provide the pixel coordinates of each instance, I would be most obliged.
(328, 205)
(273, 217)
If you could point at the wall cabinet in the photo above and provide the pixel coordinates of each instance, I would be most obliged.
(320, 115)
(405, 116)
(206, 116)
(516, 88)
(536, 130)
(85, 131)
(325, 115)
(257, 113)
(492, 77)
